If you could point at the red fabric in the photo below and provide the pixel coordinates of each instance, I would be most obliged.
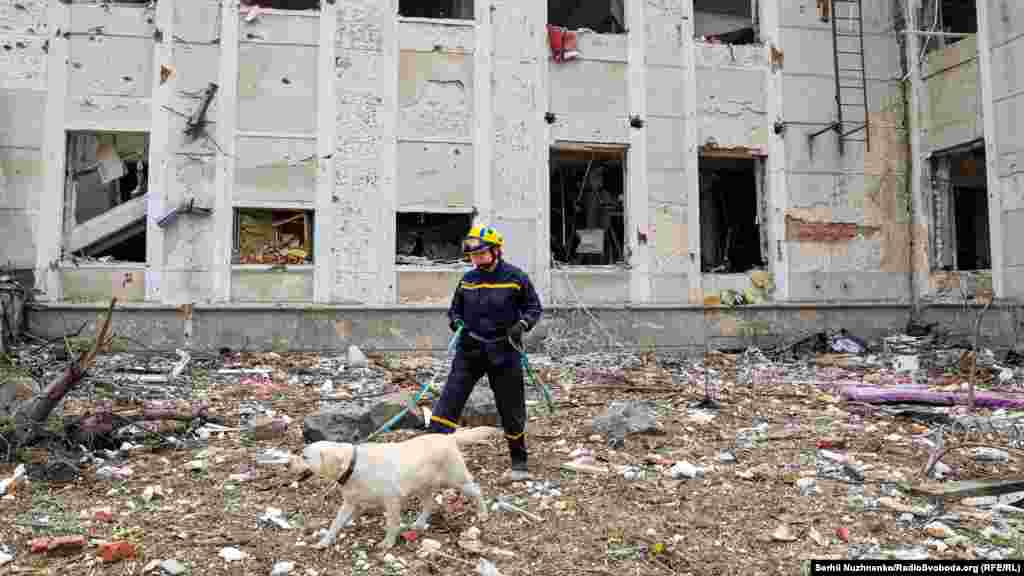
(563, 43)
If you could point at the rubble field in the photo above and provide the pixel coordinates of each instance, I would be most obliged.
(650, 464)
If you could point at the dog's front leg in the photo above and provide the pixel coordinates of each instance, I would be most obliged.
(343, 518)
(393, 516)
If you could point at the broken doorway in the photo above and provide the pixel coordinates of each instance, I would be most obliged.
(105, 188)
(601, 16)
(730, 219)
(588, 194)
(961, 232)
(450, 9)
(430, 238)
(725, 21)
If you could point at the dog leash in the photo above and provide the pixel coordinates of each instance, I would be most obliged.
(529, 374)
(394, 419)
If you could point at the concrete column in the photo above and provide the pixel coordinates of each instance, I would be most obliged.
(540, 135)
(327, 128)
(917, 156)
(775, 164)
(227, 120)
(483, 103)
(995, 196)
(637, 211)
(49, 229)
(159, 148)
(690, 159)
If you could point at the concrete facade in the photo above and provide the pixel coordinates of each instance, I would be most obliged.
(356, 114)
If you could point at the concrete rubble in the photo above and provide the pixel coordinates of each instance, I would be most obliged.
(637, 402)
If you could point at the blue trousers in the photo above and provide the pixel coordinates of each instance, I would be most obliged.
(503, 366)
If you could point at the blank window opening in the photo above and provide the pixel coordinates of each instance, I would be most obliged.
(949, 16)
(449, 9)
(961, 211)
(284, 4)
(729, 219)
(725, 21)
(105, 189)
(601, 16)
(273, 236)
(588, 205)
(431, 239)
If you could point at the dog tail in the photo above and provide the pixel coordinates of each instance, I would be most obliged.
(475, 435)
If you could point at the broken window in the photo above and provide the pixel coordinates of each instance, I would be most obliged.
(730, 223)
(601, 16)
(284, 4)
(273, 236)
(453, 9)
(105, 188)
(961, 233)
(430, 238)
(725, 21)
(588, 204)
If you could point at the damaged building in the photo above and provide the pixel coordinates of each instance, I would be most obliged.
(248, 153)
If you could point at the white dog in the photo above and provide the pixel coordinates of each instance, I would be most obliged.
(386, 474)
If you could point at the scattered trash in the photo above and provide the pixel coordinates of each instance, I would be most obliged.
(626, 417)
(173, 567)
(272, 456)
(282, 569)
(60, 543)
(807, 486)
(327, 388)
(543, 488)
(816, 536)
(938, 530)
(230, 554)
(843, 533)
(276, 517)
(428, 546)
(726, 457)
(783, 533)
(632, 472)
(356, 358)
(113, 473)
(684, 469)
(5, 557)
(991, 455)
(10, 484)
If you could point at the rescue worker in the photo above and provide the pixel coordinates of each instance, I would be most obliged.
(493, 303)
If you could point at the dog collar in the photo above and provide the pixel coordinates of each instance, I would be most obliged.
(351, 466)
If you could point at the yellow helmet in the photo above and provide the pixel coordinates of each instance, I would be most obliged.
(481, 238)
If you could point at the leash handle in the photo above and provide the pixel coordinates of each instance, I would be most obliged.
(454, 340)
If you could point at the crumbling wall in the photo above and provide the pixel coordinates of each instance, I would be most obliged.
(186, 244)
(23, 76)
(952, 114)
(667, 234)
(847, 233)
(731, 87)
(589, 94)
(363, 234)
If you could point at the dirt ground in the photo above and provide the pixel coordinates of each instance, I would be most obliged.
(748, 516)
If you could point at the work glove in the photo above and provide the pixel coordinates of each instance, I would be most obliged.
(456, 324)
(516, 332)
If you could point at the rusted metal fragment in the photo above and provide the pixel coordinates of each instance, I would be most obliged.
(807, 231)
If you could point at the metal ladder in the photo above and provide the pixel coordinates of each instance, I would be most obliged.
(850, 74)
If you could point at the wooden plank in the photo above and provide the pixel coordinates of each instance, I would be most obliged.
(968, 488)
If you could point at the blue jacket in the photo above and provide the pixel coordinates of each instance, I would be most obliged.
(491, 302)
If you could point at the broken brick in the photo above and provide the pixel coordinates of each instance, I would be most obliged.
(806, 231)
(116, 551)
(60, 543)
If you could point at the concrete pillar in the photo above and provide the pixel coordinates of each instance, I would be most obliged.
(483, 134)
(995, 196)
(919, 218)
(775, 165)
(160, 155)
(326, 141)
(49, 228)
(541, 136)
(636, 205)
(227, 120)
(690, 159)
